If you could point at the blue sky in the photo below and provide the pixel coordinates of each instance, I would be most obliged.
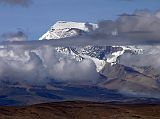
(40, 15)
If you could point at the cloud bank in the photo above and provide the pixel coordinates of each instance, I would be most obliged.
(23, 3)
(141, 27)
(41, 66)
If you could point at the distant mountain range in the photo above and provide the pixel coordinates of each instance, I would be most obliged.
(117, 83)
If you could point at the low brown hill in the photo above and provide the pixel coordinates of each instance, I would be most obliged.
(81, 110)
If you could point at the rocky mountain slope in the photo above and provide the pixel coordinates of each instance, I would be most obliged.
(129, 81)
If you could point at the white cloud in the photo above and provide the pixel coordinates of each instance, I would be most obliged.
(40, 66)
(14, 36)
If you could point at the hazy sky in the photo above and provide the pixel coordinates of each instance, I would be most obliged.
(35, 18)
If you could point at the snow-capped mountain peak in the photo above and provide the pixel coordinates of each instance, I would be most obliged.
(98, 54)
(63, 29)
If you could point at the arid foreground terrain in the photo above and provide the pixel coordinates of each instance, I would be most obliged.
(81, 110)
